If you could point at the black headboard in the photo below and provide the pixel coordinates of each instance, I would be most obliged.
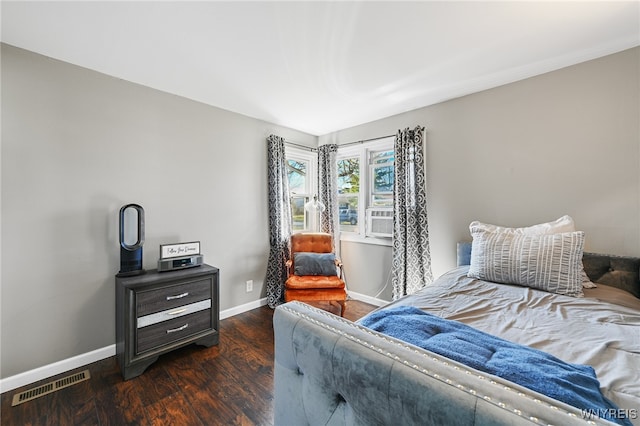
(616, 271)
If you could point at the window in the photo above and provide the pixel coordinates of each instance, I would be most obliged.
(366, 176)
(302, 173)
(382, 175)
(348, 193)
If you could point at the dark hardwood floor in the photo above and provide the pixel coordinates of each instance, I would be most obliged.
(229, 384)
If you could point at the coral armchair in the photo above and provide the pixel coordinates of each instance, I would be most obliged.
(315, 274)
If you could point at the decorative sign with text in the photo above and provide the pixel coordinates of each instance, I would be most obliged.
(168, 251)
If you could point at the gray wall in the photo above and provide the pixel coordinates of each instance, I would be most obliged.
(367, 269)
(566, 142)
(76, 146)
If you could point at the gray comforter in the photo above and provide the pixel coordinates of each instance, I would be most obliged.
(602, 329)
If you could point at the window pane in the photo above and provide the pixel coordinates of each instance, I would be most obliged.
(381, 157)
(349, 175)
(382, 200)
(348, 210)
(383, 179)
(348, 191)
(297, 173)
(298, 217)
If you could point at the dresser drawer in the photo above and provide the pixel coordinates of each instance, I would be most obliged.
(171, 331)
(172, 296)
(172, 313)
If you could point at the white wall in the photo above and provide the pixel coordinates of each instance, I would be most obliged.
(566, 142)
(76, 146)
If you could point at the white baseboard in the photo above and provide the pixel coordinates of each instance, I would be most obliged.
(41, 373)
(242, 308)
(367, 299)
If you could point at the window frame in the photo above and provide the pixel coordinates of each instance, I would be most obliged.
(310, 157)
(365, 195)
(371, 182)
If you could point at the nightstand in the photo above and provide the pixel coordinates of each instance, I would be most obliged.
(158, 312)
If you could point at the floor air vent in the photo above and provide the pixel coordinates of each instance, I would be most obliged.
(50, 387)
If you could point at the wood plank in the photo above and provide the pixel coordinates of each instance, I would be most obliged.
(121, 405)
(172, 410)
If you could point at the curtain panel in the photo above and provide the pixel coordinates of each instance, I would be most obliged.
(279, 220)
(411, 259)
(328, 191)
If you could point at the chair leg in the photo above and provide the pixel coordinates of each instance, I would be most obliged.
(342, 304)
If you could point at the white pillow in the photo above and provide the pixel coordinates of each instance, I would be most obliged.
(549, 262)
(562, 224)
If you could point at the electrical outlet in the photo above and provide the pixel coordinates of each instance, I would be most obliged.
(249, 287)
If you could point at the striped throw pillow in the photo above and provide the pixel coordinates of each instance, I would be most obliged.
(551, 262)
(560, 225)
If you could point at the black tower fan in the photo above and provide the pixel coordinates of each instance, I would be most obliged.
(131, 240)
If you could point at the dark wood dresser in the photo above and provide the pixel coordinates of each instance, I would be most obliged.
(158, 312)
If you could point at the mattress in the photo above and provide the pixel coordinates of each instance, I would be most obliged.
(601, 329)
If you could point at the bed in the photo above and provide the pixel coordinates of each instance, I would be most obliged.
(329, 370)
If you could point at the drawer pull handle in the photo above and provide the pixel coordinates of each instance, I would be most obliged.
(178, 296)
(174, 330)
(176, 312)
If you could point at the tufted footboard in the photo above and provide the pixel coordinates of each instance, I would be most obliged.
(330, 371)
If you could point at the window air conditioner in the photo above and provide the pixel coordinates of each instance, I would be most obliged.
(379, 222)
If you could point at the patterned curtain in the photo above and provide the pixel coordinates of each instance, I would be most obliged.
(411, 259)
(327, 186)
(279, 220)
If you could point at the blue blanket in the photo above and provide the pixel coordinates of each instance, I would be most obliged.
(574, 384)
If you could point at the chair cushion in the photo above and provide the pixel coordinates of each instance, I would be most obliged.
(314, 282)
(314, 264)
(314, 295)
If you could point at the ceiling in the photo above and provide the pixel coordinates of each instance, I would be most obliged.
(321, 66)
